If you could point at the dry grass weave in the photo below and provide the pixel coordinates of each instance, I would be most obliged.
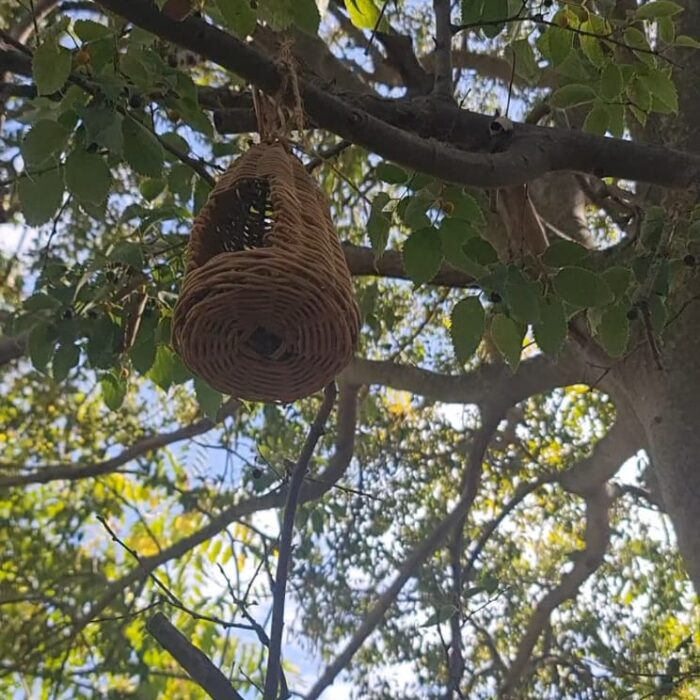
(266, 311)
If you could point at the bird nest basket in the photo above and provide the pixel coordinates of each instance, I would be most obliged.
(266, 311)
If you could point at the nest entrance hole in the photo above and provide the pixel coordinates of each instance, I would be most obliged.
(246, 216)
(267, 344)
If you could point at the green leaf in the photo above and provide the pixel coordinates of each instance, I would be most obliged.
(41, 302)
(422, 255)
(113, 391)
(525, 62)
(379, 224)
(40, 196)
(471, 11)
(618, 278)
(616, 120)
(201, 192)
(162, 372)
(129, 253)
(523, 301)
(657, 313)
(103, 126)
(667, 29)
(142, 150)
(493, 10)
(639, 94)
(463, 206)
(364, 14)
(180, 181)
(582, 288)
(67, 356)
(441, 615)
(238, 15)
(306, 16)
(687, 41)
(561, 42)
(209, 399)
(636, 39)
(597, 119)
(653, 225)
(41, 344)
(614, 330)
(480, 251)
(507, 336)
(661, 88)
(561, 253)
(391, 173)
(592, 46)
(413, 214)
(658, 8)
(151, 187)
(86, 30)
(45, 140)
(454, 233)
(87, 176)
(550, 332)
(467, 327)
(279, 14)
(51, 66)
(611, 82)
(572, 95)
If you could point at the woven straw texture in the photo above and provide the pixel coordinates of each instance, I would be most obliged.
(266, 311)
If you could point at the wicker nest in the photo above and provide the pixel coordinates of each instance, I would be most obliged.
(266, 311)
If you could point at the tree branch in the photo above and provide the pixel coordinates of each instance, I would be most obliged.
(587, 561)
(285, 544)
(532, 151)
(416, 559)
(443, 50)
(481, 386)
(345, 440)
(74, 472)
(193, 660)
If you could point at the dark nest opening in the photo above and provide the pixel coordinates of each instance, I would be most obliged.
(246, 217)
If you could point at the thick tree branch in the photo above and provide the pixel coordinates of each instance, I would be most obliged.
(587, 561)
(74, 472)
(399, 49)
(623, 440)
(416, 559)
(532, 151)
(482, 386)
(193, 660)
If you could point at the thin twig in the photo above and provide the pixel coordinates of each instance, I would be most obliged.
(376, 27)
(171, 598)
(285, 546)
(322, 156)
(538, 19)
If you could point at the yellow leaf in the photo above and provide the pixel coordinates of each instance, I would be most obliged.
(363, 13)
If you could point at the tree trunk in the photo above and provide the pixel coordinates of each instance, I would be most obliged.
(667, 404)
(667, 401)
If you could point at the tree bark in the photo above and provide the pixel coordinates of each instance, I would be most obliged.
(667, 400)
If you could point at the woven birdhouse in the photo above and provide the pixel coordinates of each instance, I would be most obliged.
(266, 311)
